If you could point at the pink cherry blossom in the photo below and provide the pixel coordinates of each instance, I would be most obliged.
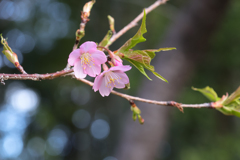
(114, 77)
(87, 60)
(117, 62)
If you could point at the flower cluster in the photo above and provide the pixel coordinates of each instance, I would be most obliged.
(87, 60)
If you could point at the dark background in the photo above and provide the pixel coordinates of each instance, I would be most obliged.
(65, 119)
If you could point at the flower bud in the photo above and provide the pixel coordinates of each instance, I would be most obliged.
(140, 119)
(116, 60)
(7, 51)
(127, 86)
(136, 112)
(12, 57)
(87, 8)
(111, 23)
(134, 116)
(79, 34)
(105, 67)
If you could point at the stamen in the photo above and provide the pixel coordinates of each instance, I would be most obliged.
(87, 60)
(111, 79)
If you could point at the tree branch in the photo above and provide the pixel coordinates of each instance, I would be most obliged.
(34, 77)
(163, 103)
(134, 22)
(50, 76)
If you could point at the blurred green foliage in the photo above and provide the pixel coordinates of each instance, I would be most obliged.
(205, 133)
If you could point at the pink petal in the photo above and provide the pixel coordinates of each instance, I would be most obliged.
(121, 68)
(103, 90)
(98, 56)
(73, 56)
(97, 82)
(123, 77)
(117, 62)
(119, 85)
(93, 70)
(88, 46)
(78, 70)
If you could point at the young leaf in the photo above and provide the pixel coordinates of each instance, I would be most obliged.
(229, 111)
(137, 38)
(231, 105)
(151, 52)
(233, 97)
(140, 58)
(160, 77)
(106, 39)
(208, 92)
(144, 57)
(236, 113)
(140, 67)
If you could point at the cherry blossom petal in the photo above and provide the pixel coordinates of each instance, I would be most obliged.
(88, 46)
(114, 77)
(74, 55)
(123, 77)
(121, 68)
(96, 69)
(97, 82)
(119, 85)
(118, 62)
(98, 56)
(103, 89)
(78, 70)
(93, 70)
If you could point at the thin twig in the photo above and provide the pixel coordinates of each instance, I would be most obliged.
(80, 33)
(49, 76)
(163, 103)
(34, 77)
(21, 69)
(134, 22)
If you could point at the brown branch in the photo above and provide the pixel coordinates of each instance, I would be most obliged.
(162, 103)
(20, 68)
(34, 77)
(134, 22)
(49, 76)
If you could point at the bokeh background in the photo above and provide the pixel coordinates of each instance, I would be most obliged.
(64, 119)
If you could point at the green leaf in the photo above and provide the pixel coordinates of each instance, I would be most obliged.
(160, 77)
(231, 105)
(229, 111)
(236, 113)
(208, 92)
(140, 57)
(137, 38)
(151, 52)
(144, 57)
(106, 39)
(5, 44)
(140, 67)
(233, 97)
